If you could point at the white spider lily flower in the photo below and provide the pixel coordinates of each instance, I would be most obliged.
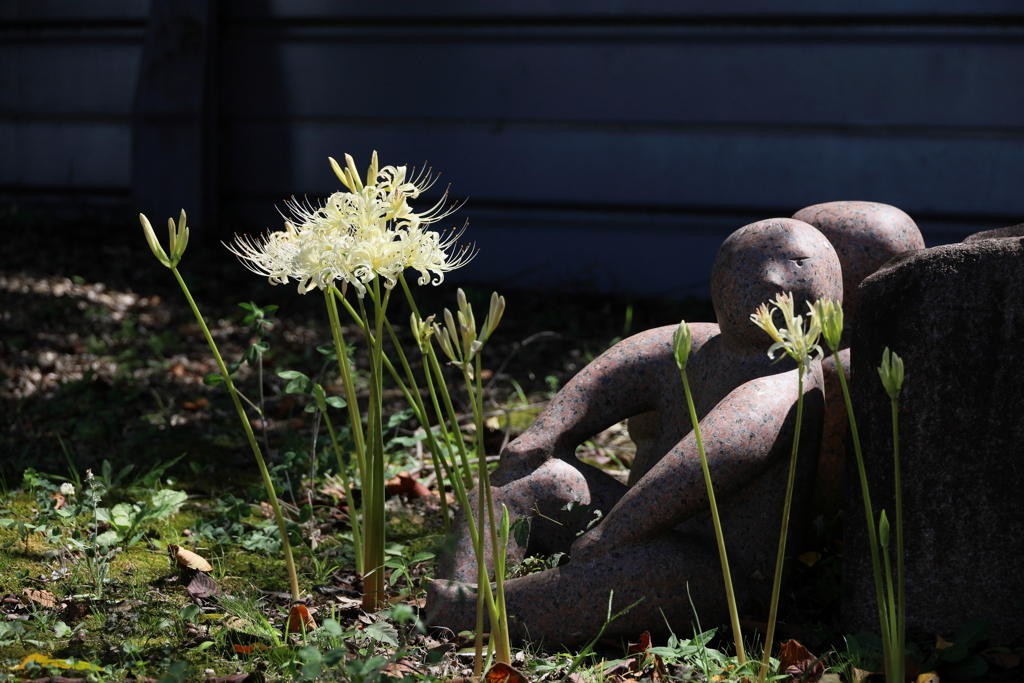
(356, 236)
(793, 339)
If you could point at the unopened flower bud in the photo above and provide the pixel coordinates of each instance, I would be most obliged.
(681, 344)
(891, 372)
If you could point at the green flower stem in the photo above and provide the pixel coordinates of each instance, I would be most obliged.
(453, 418)
(876, 563)
(412, 395)
(455, 478)
(892, 666)
(459, 485)
(901, 625)
(374, 597)
(282, 527)
(777, 579)
(730, 596)
(499, 625)
(353, 514)
(355, 421)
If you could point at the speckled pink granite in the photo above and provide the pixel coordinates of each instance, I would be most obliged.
(865, 235)
(655, 538)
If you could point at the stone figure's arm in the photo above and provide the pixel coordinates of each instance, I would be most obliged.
(743, 435)
(625, 380)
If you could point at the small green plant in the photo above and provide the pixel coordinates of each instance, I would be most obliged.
(178, 242)
(681, 341)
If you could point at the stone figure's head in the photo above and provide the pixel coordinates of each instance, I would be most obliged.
(763, 259)
(865, 235)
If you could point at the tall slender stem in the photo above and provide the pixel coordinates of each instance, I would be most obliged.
(341, 350)
(730, 596)
(901, 624)
(412, 395)
(353, 516)
(780, 557)
(282, 527)
(876, 563)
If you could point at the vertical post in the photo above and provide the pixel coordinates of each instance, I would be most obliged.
(174, 122)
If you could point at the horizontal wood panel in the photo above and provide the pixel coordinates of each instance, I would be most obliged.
(927, 174)
(963, 78)
(72, 10)
(87, 78)
(348, 9)
(65, 155)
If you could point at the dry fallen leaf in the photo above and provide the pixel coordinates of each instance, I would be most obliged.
(202, 585)
(188, 559)
(402, 668)
(299, 619)
(797, 661)
(44, 598)
(406, 485)
(930, 677)
(58, 500)
(810, 558)
(503, 673)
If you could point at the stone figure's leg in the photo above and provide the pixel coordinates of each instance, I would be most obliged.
(541, 496)
(569, 604)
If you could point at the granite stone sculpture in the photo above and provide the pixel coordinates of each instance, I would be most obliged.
(955, 316)
(653, 540)
(865, 235)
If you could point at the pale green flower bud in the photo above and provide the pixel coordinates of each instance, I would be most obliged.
(681, 344)
(497, 309)
(177, 242)
(154, 245)
(453, 333)
(829, 317)
(883, 530)
(371, 173)
(444, 341)
(891, 372)
(353, 173)
(342, 174)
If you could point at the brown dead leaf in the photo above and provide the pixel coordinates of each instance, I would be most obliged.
(44, 598)
(643, 645)
(405, 666)
(407, 486)
(178, 370)
(299, 619)
(503, 673)
(798, 662)
(196, 405)
(202, 585)
(930, 677)
(188, 559)
(830, 678)
(266, 509)
(58, 500)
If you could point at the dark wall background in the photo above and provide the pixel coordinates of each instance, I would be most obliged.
(602, 144)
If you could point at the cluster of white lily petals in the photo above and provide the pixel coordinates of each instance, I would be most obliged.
(358, 235)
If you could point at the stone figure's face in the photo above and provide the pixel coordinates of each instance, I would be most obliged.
(763, 259)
